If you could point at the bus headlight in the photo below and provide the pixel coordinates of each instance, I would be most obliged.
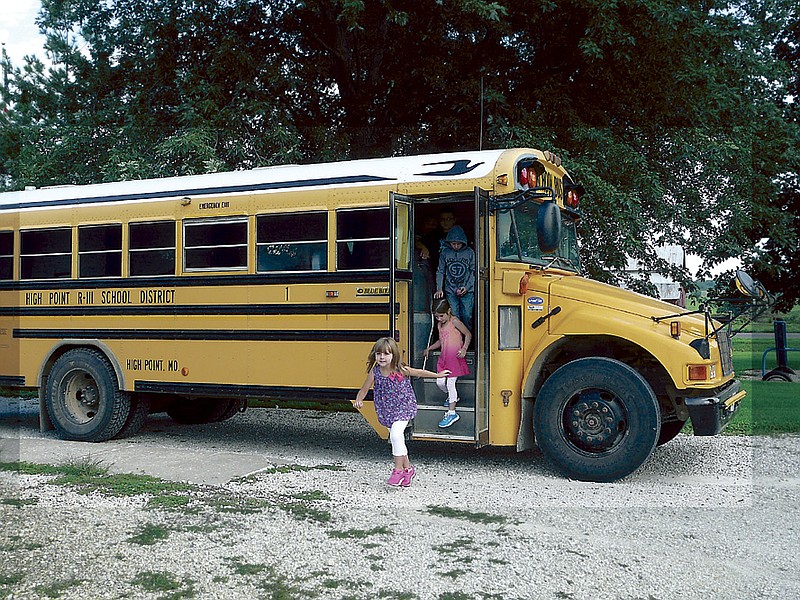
(510, 330)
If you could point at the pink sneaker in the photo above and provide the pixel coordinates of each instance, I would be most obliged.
(408, 475)
(396, 478)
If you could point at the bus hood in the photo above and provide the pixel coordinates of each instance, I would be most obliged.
(609, 297)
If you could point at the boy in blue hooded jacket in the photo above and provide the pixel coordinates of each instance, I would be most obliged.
(455, 277)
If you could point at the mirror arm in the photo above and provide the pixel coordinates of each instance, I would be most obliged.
(501, 206)
(700, 310)
(759, 298)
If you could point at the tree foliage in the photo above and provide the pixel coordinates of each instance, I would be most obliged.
(676, 115)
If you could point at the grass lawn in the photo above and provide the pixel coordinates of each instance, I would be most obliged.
(770, 408)
(747, 354)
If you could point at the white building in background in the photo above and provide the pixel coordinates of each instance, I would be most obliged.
(668, 290)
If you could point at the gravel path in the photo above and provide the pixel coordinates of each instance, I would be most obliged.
(291, 504)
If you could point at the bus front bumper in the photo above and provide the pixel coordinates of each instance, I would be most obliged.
(711, 414)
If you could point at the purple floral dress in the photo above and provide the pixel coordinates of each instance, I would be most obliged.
(394, 398)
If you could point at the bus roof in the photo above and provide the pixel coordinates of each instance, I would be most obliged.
(389, 171)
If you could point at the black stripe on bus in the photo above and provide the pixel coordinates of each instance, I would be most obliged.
(374, 308)
(208, 280)
(228, 189)
(265, 392)
(236, 335)
(12, 381)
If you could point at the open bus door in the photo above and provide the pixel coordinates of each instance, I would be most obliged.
(473, 424)
(400, 261)
(480, 335)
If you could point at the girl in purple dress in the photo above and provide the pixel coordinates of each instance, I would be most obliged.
(395, 403)
(454, 339)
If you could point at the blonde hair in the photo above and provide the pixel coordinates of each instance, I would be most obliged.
(386, 345)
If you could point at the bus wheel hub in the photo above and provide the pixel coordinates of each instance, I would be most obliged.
(595, 420)
(81, 396)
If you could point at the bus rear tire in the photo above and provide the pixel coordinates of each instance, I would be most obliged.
(83, 398)
(596, 419)
(234, 406)
(140, 409)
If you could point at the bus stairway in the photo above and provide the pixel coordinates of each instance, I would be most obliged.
(431, 408)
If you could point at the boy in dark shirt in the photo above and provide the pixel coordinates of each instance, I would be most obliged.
(455, 277)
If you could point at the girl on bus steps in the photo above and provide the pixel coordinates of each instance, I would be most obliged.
(454, 339)
(395, 402)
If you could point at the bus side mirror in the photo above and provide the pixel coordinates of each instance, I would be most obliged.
(548, 227)
(748, 286)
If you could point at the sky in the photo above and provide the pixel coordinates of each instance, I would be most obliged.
(18, 31)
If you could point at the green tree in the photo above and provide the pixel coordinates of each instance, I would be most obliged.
(777, 259)
(669, 112)
(142, 89)
(673, 114)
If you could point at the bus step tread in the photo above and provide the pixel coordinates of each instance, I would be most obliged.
(427, 423)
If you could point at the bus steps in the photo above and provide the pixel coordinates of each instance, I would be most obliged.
(426, 423)
(431, 409)
(429, 394)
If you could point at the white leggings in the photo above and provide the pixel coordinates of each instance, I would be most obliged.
(448, 386)
(397, 437)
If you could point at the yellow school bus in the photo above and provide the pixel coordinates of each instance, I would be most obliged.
(193, 295)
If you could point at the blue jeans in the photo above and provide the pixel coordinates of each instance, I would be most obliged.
(462, 307)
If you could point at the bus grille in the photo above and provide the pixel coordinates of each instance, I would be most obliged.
(725, 351)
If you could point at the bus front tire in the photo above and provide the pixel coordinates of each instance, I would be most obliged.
(596, 419)
(669, 431)
(83, 398)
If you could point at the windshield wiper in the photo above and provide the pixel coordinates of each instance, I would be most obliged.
(553, 260)
(517, 243)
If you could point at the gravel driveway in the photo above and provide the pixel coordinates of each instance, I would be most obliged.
(292, 504)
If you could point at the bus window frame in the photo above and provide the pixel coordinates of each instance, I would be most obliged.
(174, 248)
(325, 241)
(23, 232)
(119, 251)
(191, 222)
(9, 258)
(387, 239)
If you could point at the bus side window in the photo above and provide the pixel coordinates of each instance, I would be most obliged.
(6, 254)
(45, 253)
(292, 242)
(218, 244)
(151, 248)
(362, 239)
(100, 251)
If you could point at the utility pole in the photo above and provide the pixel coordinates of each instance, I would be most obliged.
(4, 63)
(4, 90)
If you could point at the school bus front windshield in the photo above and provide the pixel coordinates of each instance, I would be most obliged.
(517, 241)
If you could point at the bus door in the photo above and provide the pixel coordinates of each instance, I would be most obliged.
(401, 258)
(472, 408)
(480, 329)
